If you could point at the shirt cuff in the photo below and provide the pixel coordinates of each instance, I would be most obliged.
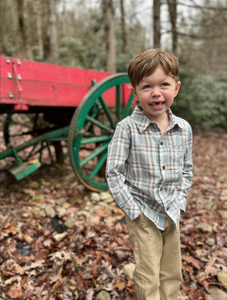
(131, 209)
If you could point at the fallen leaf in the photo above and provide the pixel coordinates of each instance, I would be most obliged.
(188, 268)
(221, 267)
(90, 293)
(57, 285)
(120, 284)
(194, 294)
(34, 265)
(15, 291)
(38, 291)
(16, 279)
(203, 282)
(107, 269)
(211, 271)
(29, 192)
(60, 236)
(118, 227)
(57, 276)
(47, 243)
(60, 256)
(195, 262)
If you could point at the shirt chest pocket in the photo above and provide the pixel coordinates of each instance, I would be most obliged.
(177, 155)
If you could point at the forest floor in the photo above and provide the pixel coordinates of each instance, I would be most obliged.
(60, 241)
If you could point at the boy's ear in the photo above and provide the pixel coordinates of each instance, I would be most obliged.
(134, 92)
(178, 85)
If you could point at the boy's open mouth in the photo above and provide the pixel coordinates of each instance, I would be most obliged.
(157, 103)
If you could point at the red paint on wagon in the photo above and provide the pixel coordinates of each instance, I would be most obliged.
(41, 84)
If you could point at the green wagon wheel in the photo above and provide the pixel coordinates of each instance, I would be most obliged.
(93, 125)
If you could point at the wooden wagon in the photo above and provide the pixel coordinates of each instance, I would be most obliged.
(50, 104)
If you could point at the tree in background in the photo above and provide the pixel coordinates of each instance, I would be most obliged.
(38, 21)
(123, 29)
(79, 37)
(22, 16)
(53, 31)
(156, 24)
(203, 39)
(172, 7)
(110, 41)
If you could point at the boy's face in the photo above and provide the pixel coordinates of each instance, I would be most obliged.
(156, 93)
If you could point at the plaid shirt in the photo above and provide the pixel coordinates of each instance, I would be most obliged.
(150, 172)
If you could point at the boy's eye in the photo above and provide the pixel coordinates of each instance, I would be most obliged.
(147, 86)
(165, 84)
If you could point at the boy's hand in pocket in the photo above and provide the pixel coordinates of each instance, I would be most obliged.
(138, 218)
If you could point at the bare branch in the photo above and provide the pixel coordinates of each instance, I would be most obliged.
(199, 6)
(193, 36)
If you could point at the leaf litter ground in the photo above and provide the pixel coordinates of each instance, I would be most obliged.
(57, 243)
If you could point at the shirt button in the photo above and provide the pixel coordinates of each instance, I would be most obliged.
(161, 143)
(163, 167)
(167, 208)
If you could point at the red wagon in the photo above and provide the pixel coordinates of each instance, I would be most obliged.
(58, 103)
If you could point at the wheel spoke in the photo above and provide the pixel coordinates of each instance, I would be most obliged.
(30, 153)
(107, 111)
(95, 153)
(99, 165)
(23, 133)
(20, 123)
(48, 148)
(96, 139)
(128, 106)
(99, 124)
(118, 101)
(88, 125)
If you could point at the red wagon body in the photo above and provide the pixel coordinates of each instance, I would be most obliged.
(27, 84)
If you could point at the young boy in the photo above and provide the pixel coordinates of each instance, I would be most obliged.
(149, 172)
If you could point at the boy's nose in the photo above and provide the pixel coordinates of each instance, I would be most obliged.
(155, 92)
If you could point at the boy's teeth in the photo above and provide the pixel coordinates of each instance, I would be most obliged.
(157, 103)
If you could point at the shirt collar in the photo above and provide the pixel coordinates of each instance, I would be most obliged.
(143, 122)
(174, 120)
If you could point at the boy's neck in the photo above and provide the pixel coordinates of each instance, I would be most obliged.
(158, 119)
(162, 121)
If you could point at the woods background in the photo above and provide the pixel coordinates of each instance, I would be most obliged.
(58, 240)
(107, 34)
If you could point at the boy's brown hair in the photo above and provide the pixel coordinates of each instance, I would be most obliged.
(145, 63)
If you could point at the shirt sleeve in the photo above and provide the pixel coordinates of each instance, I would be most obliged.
(118, 152)
(187, 172)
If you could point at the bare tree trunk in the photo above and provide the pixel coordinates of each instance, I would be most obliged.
(156, 24)
(36, 9)
(22, 24)
(124, 38)
(110, 41)
(53, 32)
(172, 4)
(46, 34)
(54, 59)
(64, 20)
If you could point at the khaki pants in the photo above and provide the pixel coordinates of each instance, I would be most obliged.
(157, 256)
